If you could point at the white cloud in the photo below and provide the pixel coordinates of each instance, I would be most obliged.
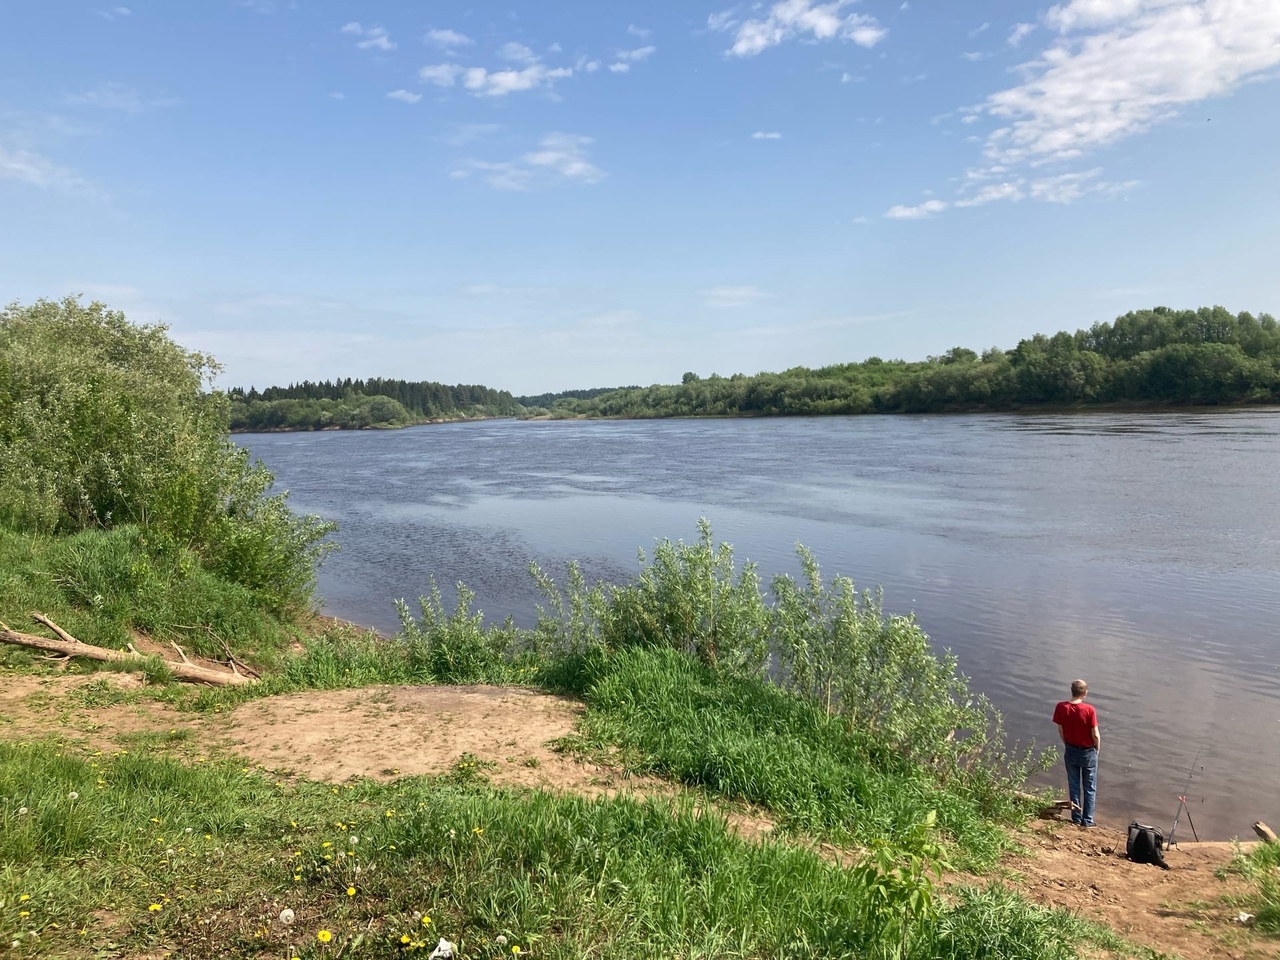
(376, 38)
(462, 134)
(993, 192)
(499, 83)
(766, 135)
(637, 56)
(980, 30)
(482, 82)
(729, 297)
(517, 53)
(560, 157)
(1019, 33)
(789, 19)
(404, 96)
(921, 212)
(724, 20)
(566, 155)
(1070, 187)
(640, 32)
(337, 95)
(1114, 69)
(118, 96)
(448, 38)
(38, 171)
(372, 38)
(1154, 56)
(115, 13)
(442, 74)
(975, 56)
(619, 68)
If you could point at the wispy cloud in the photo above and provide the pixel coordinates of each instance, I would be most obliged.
(640, 32)
(1113, 69)
(560, 157)
(766, 135)
(529, 73)
(636, 56)
(404, 96)
(446, 39)
(371, 38)
(517, 53)
(1019, 33)
(919, 212)
(1145, 59)
(118, 96)
(979, 30)
(730, 297)
(463, 134)
(791, 19)
(115, 13)
(36, 170)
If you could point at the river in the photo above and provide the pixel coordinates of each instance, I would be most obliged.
(1139, 551)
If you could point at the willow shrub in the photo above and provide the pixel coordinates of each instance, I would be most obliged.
(104, 422)
(821, 641)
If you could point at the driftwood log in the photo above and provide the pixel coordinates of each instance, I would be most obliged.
(68, 646)
(1266, 833)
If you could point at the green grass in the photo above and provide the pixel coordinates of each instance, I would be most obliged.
(221, 850)
(103, 586)
(747, 740)
(1261, 867)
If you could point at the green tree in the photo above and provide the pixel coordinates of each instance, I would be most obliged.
(104, 422)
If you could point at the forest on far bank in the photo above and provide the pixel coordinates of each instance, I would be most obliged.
(1148, 357)
(358, 404)
(1157, 356)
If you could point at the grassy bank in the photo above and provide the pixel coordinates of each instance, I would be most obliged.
(139, 852)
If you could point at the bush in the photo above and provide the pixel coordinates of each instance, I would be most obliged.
(104, 422)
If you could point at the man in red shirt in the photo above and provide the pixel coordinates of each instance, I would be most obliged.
(1078, 726)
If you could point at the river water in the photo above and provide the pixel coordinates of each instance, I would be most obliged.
(1139, 551)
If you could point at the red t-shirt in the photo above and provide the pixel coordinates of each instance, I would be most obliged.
(1077, 721)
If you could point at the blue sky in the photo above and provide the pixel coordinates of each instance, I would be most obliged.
(541, 196)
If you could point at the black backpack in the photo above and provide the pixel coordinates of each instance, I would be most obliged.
(1145, 844)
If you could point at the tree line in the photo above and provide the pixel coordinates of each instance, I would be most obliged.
(356, 404)
(1157, 356)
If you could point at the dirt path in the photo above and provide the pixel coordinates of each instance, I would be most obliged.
(509, 733)
(1176, 911)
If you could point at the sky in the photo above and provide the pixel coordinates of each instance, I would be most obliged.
(545, 196)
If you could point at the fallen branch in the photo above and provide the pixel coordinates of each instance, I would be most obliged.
(69, 646)
(1266, 833)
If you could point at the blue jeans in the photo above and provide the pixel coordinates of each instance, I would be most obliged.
(1082, 782)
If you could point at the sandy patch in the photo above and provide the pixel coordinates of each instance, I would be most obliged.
(1177, 911)
(386, 732)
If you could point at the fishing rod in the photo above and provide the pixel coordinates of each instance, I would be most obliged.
(1183, 807)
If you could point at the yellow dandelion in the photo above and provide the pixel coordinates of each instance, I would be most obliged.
(324, 936)
(155, 908)
(326, 844)
(391, 813)
(351, 891)
(24, 913)
(24, 898)
(515, 950)
(477, 830)
(426, 921)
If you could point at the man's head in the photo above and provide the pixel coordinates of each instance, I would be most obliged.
(1079, 688)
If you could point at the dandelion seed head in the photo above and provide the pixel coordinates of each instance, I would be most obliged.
(287, 917)
(73, 795)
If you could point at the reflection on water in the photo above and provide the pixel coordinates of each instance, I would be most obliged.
(1139, 551)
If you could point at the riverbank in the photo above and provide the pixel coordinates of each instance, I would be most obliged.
(262, 827)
